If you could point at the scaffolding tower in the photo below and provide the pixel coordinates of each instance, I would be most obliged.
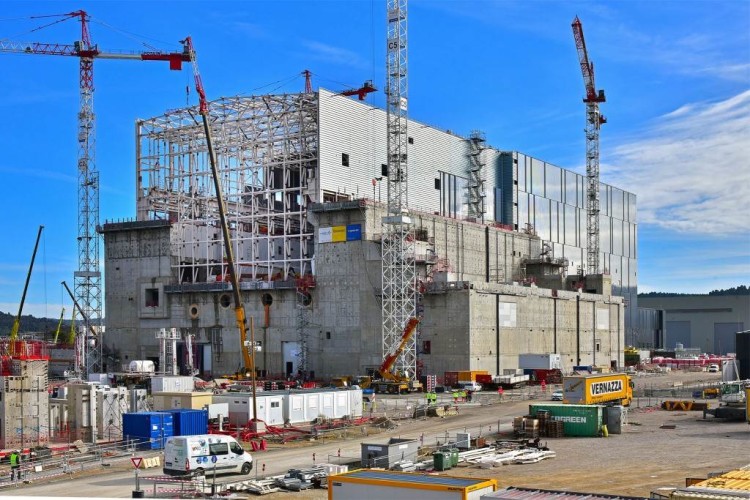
(399, 300)
(267, 152)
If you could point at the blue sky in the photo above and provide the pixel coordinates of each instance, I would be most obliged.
(676, 76)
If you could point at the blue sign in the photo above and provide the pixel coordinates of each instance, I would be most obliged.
(213, 459)
(353, 232)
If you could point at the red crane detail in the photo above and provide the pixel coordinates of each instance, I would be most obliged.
(587, 68)
(361, 92)
(308, 81)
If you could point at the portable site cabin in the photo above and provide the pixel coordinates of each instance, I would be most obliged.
(371, 483)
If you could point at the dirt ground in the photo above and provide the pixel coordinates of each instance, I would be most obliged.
(645, 457)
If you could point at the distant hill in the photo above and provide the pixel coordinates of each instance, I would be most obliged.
(738, 290)
(29, 324)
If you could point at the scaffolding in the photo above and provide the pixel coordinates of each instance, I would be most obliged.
(267, 152)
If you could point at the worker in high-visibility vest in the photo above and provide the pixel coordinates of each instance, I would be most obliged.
(15, 465)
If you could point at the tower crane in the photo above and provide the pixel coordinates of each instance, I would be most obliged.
(398, 269)
(88, 280)
(594, 120)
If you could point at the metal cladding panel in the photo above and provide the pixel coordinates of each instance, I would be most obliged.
(359, 130)
(578, 420)
(188, 422)
(355, 402)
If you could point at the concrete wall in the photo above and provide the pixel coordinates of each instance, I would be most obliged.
(476, 264)
(486, 327)
(708, 322)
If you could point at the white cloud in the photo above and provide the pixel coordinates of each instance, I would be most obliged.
(691, 168)
(335, 55)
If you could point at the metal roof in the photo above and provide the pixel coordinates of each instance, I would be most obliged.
(407, 477)
(736, 480)
(513, 493)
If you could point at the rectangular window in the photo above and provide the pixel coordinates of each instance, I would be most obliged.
(344, 159)
(411, 140)
(152, 297)
(274, 404)
(437, 183)
(426, 346)
(218, 449)
(383, 170)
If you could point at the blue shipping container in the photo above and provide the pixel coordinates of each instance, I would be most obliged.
(150, 429)
(188, 422)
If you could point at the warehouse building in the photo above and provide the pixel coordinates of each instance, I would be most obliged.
(706, 322)
(305, 184)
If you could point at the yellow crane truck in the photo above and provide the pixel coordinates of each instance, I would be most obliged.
(607, 388)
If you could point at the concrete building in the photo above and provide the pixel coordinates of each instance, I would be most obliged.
(708, 322)
(303, 179)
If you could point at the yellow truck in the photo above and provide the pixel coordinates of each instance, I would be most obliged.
(613, 388)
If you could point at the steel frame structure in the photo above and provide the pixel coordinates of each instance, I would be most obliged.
(399, 297)
(267, 151)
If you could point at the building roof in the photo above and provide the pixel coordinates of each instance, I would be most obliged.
(513, 493)
(412, 478)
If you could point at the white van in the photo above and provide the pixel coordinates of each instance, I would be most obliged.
(202, 454)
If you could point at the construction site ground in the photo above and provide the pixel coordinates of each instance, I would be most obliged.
(648, 455)
(656, 449)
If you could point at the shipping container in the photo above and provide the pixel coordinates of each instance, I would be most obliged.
(364, 483)
(596, 389)
(470, 375)
(172, 384)
(539, 361)
(150, 429)
(578, 420)
(174, 400)
(450, 379)
(187, 422)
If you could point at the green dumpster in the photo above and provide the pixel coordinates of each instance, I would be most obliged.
(441, 461)
(454, 456)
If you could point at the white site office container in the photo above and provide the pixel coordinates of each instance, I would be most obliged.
(269, 407)
(172, 384)
(355, 402)
(341, 407)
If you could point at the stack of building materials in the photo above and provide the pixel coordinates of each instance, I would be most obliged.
(24, 408)
(139, 401)
(111, 404)
(82, 412)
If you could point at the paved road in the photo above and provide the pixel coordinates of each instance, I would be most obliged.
(118, 481)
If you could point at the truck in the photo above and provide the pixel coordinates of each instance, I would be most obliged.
(609, 388)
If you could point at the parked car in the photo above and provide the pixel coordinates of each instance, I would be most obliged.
(470, 386)
(713, 368)
(557, 396)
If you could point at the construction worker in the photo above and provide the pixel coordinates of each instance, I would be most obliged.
(500, 392)
(15, 465)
